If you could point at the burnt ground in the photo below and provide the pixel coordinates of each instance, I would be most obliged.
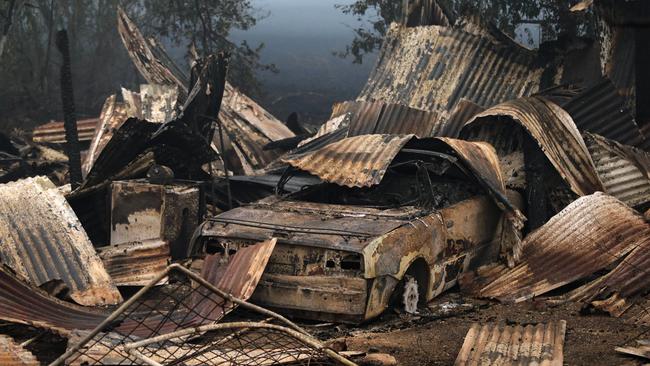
(435, 340)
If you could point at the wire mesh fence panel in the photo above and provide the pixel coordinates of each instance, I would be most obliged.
(175, 312)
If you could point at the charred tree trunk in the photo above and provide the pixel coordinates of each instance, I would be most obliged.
(7, 26)
(69, 118)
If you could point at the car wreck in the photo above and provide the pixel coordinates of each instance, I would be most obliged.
(422, 216)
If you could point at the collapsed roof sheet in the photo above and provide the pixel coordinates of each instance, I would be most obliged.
(624, 170)
(601, 110)
(359, 161)
(433, 67)
(553, 130)
(111, 118)
(43, 241)
(135, 263)
(541, 344)
(54, 132)
(587, 236)
(13, 354)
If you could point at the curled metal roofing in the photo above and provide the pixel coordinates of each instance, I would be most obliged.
(553, 130)
(493, 344)
(433, 67)
(624, 170)
(589, 235)
(43, 241)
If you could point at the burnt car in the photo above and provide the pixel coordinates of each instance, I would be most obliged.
(346, 253)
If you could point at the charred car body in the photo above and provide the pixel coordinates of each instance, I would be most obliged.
(346, 253)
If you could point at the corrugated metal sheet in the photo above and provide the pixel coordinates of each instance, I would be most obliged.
(111, 118)
(624, 170)
(541, 344)
(461, 114)
(54, 132)
(158, 102)
(43, 241)
(359, 161)
(433, 67)
(553, 130)
(394, 119)
(601, 110)
(335, 123)
(13, 354)
(642, 349)
(136, 263)
(590, 234)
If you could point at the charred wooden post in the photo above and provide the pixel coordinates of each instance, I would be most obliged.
(69, 117)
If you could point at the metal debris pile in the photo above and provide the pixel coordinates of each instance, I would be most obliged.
(467, 161)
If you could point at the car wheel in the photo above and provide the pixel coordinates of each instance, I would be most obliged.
(410, 295)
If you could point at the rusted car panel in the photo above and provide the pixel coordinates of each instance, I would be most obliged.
(358, 161)
(553, 130)
(44, 242)
(143, 211)
(433, 67)
(493, 344)
(136, 263)
(589, 235)
(13, 354)
(624, 170)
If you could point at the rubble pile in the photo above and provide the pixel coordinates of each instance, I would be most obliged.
(467, 162)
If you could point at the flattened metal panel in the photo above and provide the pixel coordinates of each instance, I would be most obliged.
(111, 118)
(587, 236)
(433, 67)
(43, 241)
(13, 354)
(359, 161)
(601, 110)
(624, 170)
(136, 263)
(395, 119)
(158, 102)
(488, 344)
(555, 133)
(54, 132)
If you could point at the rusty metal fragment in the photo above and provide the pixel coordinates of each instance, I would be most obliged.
(44, 242)
(587, 236)
(624, 170)
(112, 117)
(13, 354)
(359, 161)
(552, 129)
(540, 344)
(53, 132)
(135, 263)
(642, 349)
(433, 67)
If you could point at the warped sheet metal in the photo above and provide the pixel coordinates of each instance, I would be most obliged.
(111, 118)
(589, 235)
(43, 241)
(601, 110)
(461, 114)
(54, 132)
(642, 349)
(136, 263)
(338, 122)
(624, 170)
(359, 161)
(553, 130)
(433, 67)
(13, 354)
(488, 344)
(385, 118)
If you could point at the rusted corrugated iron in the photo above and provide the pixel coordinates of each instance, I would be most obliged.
(111, 118)
(553, 130)
(433, 67)
(461, 114)
(359, 161)
(601, 110)
(54, 132)
(624, 170)
(590, 234)
(135, 263)
(13, 354)
(540, 344)
(44, 242)
(394, 119)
